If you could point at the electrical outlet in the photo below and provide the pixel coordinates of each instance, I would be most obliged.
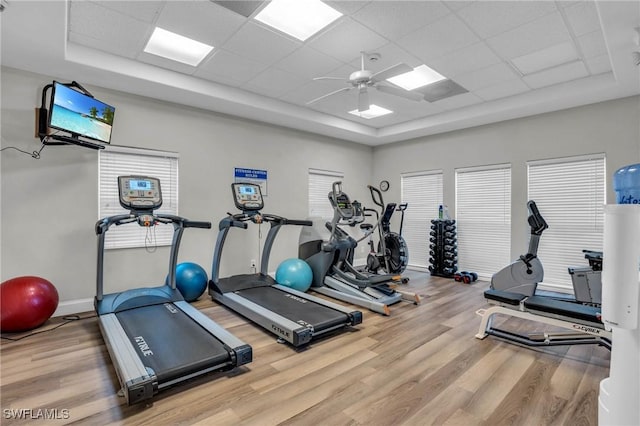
(253, 264)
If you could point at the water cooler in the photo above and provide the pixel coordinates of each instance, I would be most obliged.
(619, 398)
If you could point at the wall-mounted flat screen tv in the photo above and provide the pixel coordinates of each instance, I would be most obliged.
(80, 114)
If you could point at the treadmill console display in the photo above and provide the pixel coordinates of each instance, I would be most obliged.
(139, 192)
(247, 196)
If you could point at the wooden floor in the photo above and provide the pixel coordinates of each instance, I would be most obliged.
(419, 366)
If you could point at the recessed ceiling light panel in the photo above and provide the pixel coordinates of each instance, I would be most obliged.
(373, 112)
(419, 77)
(176, 47)
(298, 18)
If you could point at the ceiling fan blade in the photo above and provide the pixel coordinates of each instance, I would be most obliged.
(344, 89)
(329, 78)
(363, 100)
(407, 94)
(391, 72)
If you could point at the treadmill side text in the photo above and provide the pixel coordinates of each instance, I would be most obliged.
(144, 347)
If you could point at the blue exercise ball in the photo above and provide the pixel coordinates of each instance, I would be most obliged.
(294, 273)
(191, 280)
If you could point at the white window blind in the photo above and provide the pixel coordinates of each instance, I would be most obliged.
(320, 185)
(483, 218)
(422, 191)
(570, 194)
(119, 161)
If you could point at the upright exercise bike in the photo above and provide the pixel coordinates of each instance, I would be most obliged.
(523, 275)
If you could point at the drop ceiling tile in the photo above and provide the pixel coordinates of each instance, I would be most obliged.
(347, 7)
(546, 58)
(257, 43)
(438, 39)
(274, 83)
(146, 11)
(592, 44)
(105, 29)
(421, 109)
(245, 8)
(390, 55)
(165, 63)
(346, 40)
(394, 19)
(308, 63)
(486, 77)
(459, 101)
(533, 36)
(583, 17)
(502, 90)
(310, 91)
(599, 64)
(489, 18)
(227, 65)
(568, 72)
(203, 21)
(465, 60)
(456, 5)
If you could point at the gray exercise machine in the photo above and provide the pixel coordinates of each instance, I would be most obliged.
(156, 339)
(523, 275)
(513, 293)
(333, 274)
(295, 317)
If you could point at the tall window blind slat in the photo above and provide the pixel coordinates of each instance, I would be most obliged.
(120, 162)
(423, 194)
(320, 184)
(483, 215)
(570, 194)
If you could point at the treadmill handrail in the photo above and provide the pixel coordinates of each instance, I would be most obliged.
(179, 224)
(239, 220)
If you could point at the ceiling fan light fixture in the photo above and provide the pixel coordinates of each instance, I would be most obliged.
(420, 76)
(299, 19)
(374, 111)
(177, 47)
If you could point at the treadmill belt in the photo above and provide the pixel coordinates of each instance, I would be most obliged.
(298, 310)
(170, 342)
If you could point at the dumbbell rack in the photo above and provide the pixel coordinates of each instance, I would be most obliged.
(443, 248)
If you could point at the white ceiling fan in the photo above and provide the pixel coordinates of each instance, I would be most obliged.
(363, 79)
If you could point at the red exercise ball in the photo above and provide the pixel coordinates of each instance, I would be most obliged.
(26, 303)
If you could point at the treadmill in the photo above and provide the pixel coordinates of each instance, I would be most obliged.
(154, 337)
(293, 316)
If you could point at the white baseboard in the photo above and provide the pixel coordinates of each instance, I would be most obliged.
(71, 307)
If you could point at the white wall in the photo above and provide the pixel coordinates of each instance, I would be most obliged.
(610, 127)
(49, 206)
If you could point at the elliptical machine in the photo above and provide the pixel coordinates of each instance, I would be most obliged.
(523, 275)
(392, 255)
(330, 261)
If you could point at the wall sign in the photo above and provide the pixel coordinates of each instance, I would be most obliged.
(259, 177)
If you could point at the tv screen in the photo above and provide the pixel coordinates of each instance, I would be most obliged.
(80, 114)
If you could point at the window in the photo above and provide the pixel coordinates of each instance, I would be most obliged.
(570, 194)
(320, 185)
(483, 214)
(422, 191)
(118, 161)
